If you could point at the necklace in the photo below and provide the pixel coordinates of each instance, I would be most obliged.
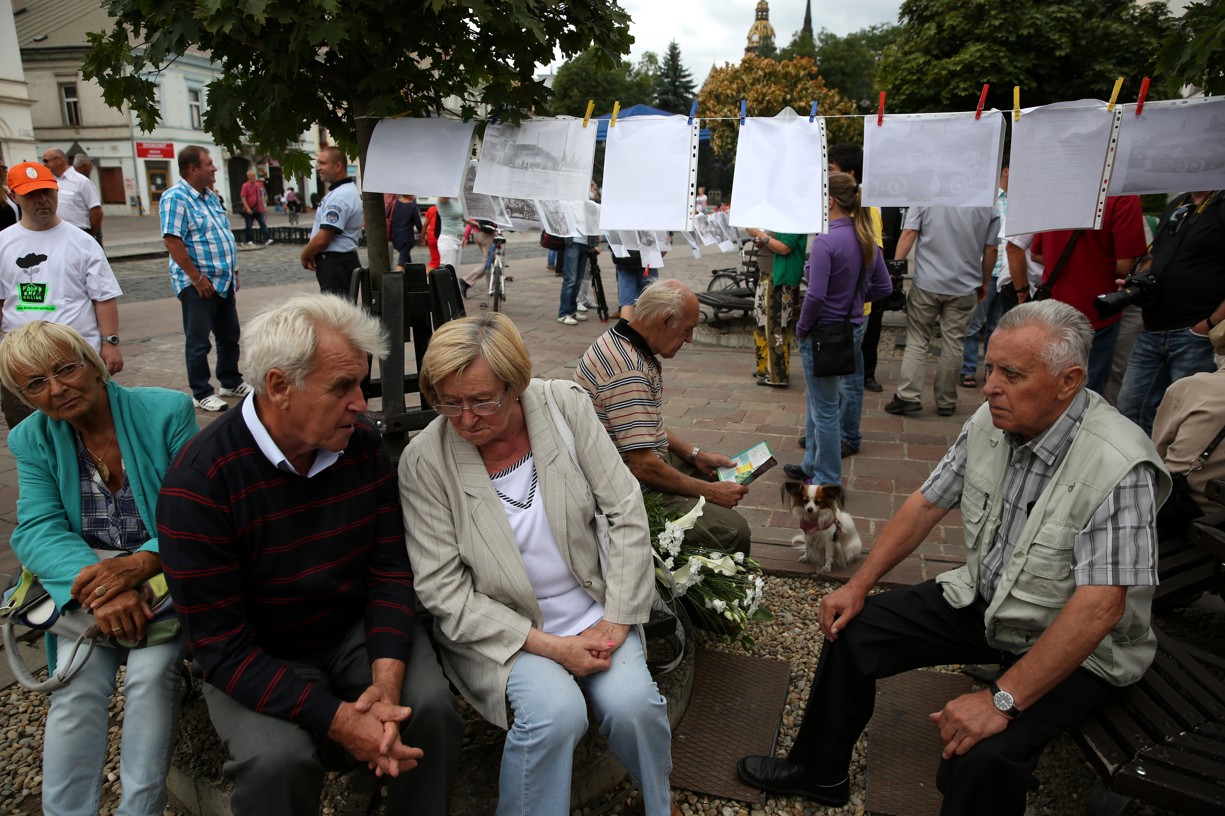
(99, 462)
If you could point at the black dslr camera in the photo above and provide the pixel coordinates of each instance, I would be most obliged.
(895, 302)
(1137, 289)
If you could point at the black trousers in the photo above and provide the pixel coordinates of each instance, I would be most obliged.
(334, 271)
(871, 341)
(912, 628)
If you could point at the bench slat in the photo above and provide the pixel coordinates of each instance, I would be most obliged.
(1170, 789)
(1209, 768)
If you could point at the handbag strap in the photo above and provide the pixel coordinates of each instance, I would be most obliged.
(850, 312)
(1199, 461)
(1064, 256)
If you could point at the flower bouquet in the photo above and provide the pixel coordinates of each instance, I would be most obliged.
(721, 592)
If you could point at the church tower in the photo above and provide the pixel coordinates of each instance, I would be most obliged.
(761, 34)
(807, 27)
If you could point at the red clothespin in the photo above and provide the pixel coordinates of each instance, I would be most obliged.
(982, 100)
(880, 111)
(1143, 94)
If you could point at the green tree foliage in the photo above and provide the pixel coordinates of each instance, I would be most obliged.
(287, 65)
(675, 89)
(849, 63)
(1056, 50)
(585, 78)
(1194, 52)
(801, 45)
(768, 86)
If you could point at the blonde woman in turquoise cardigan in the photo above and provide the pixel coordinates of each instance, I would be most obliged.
(90, 464)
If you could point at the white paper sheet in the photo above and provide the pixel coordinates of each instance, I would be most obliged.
(423, 157)
(584, 215)
(1056, 170)
(781, 172)
(932, 159)
(707, 231)
(646, 173)
(627, 239)
(729, 238)
(692, 238)
(615, 246)
(487, 208)
(549, 159)
(1173, 146)
(649, 249)
(555, 215)
(522, 214)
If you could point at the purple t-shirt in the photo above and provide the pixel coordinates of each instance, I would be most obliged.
(833, 270)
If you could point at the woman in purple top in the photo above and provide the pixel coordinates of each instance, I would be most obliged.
(834, 294)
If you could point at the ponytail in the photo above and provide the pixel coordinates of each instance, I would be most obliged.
(844, 190)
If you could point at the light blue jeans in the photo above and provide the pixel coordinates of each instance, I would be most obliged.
(986, 315)
(822, 454)
(850, 396)
(1101, 354)
(550, 709)
(1158, 359)
(74, 747)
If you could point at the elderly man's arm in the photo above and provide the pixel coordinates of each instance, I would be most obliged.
(904, 244)
(657, 474)
(1084, 621)
(178, 251)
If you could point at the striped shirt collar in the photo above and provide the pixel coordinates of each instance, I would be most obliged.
(628, 333)
(1051, 444)
(324, 459)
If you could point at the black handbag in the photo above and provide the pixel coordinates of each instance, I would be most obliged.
(1181, 508)
(833, 344)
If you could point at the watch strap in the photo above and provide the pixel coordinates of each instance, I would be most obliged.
(1012, 712)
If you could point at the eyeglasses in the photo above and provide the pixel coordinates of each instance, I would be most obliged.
(480, 408)
(65, 372)
(1177, 217)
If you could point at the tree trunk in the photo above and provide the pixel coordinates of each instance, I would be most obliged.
(372, 203)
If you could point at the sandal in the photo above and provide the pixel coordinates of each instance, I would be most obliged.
(967, 382)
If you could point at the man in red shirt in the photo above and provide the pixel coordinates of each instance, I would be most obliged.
(1098, 258)
(253, 200)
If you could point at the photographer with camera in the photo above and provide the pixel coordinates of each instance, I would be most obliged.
(1079, 265)
(1180, 288)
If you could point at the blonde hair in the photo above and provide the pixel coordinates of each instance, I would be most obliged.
(845, 192)
(457, 344)
(36, 344)
(285, 336)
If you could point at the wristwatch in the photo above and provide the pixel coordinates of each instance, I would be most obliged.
(1003, 702)
(113, 339)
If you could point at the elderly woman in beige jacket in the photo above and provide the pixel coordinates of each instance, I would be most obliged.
(498, 510)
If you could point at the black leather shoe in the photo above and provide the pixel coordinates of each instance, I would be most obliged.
(870, 384)
(795, 472)
(903, 406)
(782, 776)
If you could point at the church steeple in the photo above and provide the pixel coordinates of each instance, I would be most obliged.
(761, 34)
(807, 27)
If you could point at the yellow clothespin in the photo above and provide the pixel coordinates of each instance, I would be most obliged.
(1016, 103)
(1114, 95)
(616, 109)
(590, 108)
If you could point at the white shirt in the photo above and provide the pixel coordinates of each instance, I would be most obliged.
(324, 459)
(54, 275)
(77, 197)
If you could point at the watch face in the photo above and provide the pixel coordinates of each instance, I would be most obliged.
(1003, 701)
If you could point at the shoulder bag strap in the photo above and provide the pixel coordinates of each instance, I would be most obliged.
(850, 312)
(1064, 256)
(1200, 460)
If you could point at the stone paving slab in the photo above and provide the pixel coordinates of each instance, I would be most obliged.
(710, 393)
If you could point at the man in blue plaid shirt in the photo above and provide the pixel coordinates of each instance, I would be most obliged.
(204, 271)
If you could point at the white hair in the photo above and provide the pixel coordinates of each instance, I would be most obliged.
(660, 301)
(80, 160)
(285, 336)
(1071, 334)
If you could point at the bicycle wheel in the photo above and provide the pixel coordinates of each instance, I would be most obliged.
(722, 281)
(498, 281)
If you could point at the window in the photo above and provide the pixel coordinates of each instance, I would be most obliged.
(70, 103)
(195, 108)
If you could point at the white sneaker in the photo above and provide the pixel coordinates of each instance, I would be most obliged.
(568, 320)
(268, 242)
(579, 316)
(211, 403)
(582, 307)
(240, 390)
(247, 243)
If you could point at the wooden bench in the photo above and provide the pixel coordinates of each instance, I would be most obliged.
(728, 300)
(1164, 742)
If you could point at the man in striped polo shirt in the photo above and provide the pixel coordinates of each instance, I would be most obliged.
(282, 541)
(623, 376)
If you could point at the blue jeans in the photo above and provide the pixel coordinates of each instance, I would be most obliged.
(550, 707)
(74, 748)
(986, 315)
(850, 396)
(217, 316)
(1158, 359)
(552, 258)
(1101, 355)
(575, 262)
(631, 282)
(263, 224)
(822, 455)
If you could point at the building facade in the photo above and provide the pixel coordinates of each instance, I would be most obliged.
(16, 124)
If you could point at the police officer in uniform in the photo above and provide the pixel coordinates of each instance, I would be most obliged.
(332, 250)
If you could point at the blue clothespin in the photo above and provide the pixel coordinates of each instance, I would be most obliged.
(812, 114)
(693, 111)
(742, 112)
(494, 120)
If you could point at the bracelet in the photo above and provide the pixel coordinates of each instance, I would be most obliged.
(693, 454)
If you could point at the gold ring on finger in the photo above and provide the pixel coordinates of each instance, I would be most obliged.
(100, 591)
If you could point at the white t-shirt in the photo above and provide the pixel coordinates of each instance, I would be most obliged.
(77, 197)
(54, 275)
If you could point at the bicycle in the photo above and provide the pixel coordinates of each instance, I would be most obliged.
(292, 209)
(497, 272)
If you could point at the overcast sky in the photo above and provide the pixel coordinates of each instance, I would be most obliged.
(713, 31)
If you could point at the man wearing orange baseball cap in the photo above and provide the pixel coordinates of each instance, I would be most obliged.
(50, 270)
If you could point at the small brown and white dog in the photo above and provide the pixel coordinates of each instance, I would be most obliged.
(828, 535)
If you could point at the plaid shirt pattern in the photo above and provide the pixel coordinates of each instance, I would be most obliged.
(108, 521)
(1118, 547)
(200, 221)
